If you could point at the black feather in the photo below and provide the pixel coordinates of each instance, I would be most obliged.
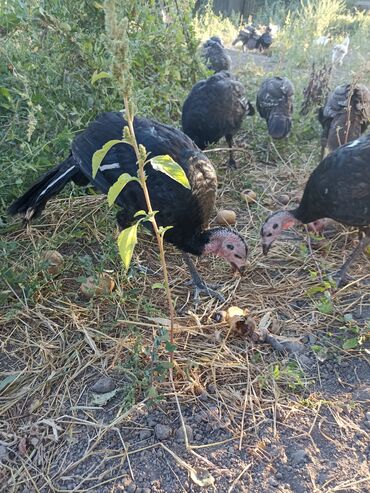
(275, 105)
(215, 56)
(339, 188)
(215, 108)
(345, 115)
(34, 200)
(188, 211)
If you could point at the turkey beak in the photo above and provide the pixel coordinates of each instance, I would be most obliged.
(266, 248)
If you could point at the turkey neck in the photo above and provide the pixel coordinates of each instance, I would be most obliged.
(207, 242)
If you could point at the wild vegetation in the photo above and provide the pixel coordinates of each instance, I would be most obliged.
(55, 77)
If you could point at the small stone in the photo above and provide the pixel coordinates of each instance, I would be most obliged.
(283, 199)
(278, 475)
(3, 453)
(162, 432)
(367, 424)
(274, 482)
(293, 347)
(368, 416)
(104, 385)
(144, 434)
(131, 488)
(362, 394)
(298, 456)
(181, 436)
(322, 477)
(211, 388)
(305, 360)
(34, 441)
(145, 490)
(312, 339)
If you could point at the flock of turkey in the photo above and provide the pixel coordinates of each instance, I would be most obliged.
(339, 188)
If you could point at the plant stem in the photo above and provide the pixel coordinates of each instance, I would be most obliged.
(158, 235)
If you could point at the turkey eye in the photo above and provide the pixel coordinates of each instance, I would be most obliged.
(269, 234)
(230, 247)
(237, 256)
(275, 226)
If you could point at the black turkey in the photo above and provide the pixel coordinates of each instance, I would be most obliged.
(214, 55)
(345, 116)
(275, 105)
(248, 37)
(215, 108)
(265, 40)
(188, 211)
(339, 188)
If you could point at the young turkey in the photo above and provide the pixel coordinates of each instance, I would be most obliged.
(339, 188)
(265, 40)
(340, 51)
(215, 56)
(215, 108)
(188, 211)
(248, 37)
(275, 105)
(345, 116)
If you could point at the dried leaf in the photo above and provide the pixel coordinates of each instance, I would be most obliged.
(202, 477)
(265, 321)
(103, 399)
(22, 446)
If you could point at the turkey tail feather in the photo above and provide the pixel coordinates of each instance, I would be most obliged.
(32, 203)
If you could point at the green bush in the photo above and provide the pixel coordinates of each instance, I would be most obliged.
(48, 56)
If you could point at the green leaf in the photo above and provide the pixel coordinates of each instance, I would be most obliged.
(4, 92)
(163, 229)
(325, 307)
(140, 213)
(350, 343)
(101, 75)
(8, 380)
(101, 153)
(165, 164)
(170, 347)
(117, 187)
(319, 288)
(276, 372)
(126, 244)
(158, 285)
(152, 392)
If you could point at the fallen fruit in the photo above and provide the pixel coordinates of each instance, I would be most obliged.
(249, 196)
(54, 261)
(283, 199)
(239, 320)
(97, 285)
(226, 218)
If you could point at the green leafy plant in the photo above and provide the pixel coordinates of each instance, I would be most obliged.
(118, 34)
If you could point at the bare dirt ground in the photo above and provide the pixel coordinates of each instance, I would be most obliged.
(75, 410)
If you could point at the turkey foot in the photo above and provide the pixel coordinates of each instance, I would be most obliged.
(199, 285)
(342, 273)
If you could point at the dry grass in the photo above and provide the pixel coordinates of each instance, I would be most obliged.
(55, 343)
